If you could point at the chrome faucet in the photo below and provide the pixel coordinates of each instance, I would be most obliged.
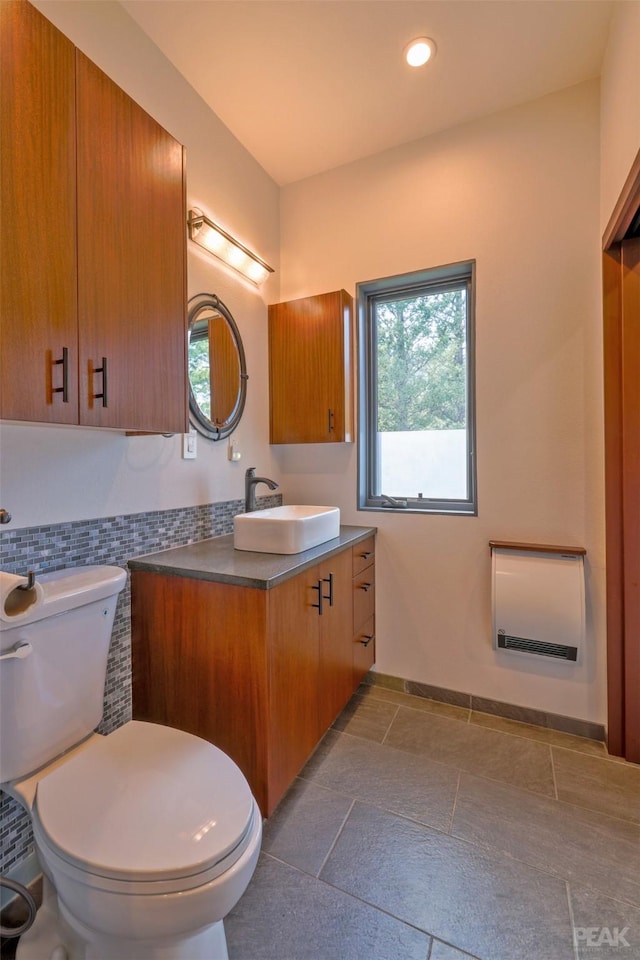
(250, 484)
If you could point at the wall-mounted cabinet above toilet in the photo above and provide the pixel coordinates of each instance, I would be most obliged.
(93, 246)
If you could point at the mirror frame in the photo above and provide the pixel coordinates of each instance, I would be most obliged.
(202, 423)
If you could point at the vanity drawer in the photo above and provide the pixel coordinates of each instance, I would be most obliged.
(363, 554)
(364, 590)
(364, 643)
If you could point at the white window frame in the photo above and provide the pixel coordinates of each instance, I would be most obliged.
(366, 295)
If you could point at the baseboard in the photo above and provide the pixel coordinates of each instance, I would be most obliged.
(539, 718)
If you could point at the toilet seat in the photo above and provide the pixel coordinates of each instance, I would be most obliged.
(153, 807)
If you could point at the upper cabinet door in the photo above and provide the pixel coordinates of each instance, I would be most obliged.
(131, 262)
(310, 377)
(38, 314)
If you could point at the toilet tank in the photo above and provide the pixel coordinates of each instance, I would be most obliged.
(53, 662)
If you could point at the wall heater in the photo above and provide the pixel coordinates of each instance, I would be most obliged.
(538, 600)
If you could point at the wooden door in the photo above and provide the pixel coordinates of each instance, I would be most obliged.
(622, 465)
(131, 262)
(335, 676)
(38, 310)
(293, 678)
(309, 369)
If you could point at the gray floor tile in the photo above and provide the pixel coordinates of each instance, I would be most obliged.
(411, 786)
(287, 915)
(489, 905)
(544, 734)
(487, 753)
(366, 717)
(416, 703)
(598, 784)
(442, 951)
(304, 826)
(604, 929)
(601, 852)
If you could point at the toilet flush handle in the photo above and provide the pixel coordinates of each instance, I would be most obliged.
(17, 652)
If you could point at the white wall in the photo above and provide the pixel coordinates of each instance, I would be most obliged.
(50, 474)
(519, 193)
(620, 105)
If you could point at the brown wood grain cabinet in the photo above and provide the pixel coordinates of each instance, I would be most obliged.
(38, 290)
(364, 599)
(93, 243)
(310, 369)
(260, 673)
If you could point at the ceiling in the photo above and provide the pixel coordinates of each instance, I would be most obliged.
(307, 85)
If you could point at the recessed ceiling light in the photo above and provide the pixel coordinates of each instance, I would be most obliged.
(419, 51)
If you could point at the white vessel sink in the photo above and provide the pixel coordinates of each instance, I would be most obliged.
(289, 529)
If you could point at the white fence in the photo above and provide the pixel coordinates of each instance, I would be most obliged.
(430, 462)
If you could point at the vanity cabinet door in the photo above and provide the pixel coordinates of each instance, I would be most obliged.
(199, 663)
(38, 316)
(294, 663)
(131, 262)
(335, 684)
(310, 376)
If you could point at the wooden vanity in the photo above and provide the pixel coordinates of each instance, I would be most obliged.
(257, 653)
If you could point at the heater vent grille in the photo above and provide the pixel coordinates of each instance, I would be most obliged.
(538, 647)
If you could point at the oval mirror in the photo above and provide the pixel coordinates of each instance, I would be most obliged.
(217, 368)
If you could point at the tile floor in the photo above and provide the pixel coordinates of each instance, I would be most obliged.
(425, 831)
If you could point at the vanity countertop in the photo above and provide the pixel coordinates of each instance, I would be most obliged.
(217, 559)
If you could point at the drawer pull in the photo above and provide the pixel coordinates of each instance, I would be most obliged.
(329, 580)
(64, 361)
(366, 640)
(364, 586)
(366, 554)
(103, 370)
(318, 606)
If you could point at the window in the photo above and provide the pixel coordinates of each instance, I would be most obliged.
(416, 392)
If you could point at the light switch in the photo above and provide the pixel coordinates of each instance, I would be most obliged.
(189, 445)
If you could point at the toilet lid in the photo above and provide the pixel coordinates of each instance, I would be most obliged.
(147, 802)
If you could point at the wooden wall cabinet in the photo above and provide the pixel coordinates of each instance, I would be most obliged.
(310, 369)
(38, 282)
(93, 308)
(260, 673)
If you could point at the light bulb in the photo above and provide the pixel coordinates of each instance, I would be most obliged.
(419, 51)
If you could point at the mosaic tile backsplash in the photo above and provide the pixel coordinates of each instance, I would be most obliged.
(109, 540)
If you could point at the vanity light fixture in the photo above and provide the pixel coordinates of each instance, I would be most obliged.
(221, 244)
(419, 51)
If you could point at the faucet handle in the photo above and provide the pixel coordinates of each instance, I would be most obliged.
(250, 472)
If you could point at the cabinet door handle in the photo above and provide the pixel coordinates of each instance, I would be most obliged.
(64, 389)
(364, 586)
(366, 554)
(103, 370)
(331, 420)
(329, 580)
(366, 640)
(318, 606)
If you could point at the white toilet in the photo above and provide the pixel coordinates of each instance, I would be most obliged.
(148, 837)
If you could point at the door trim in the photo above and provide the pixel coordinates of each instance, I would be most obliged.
(623, 728)
(625, 208)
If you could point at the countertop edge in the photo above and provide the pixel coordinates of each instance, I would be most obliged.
(292, 564)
